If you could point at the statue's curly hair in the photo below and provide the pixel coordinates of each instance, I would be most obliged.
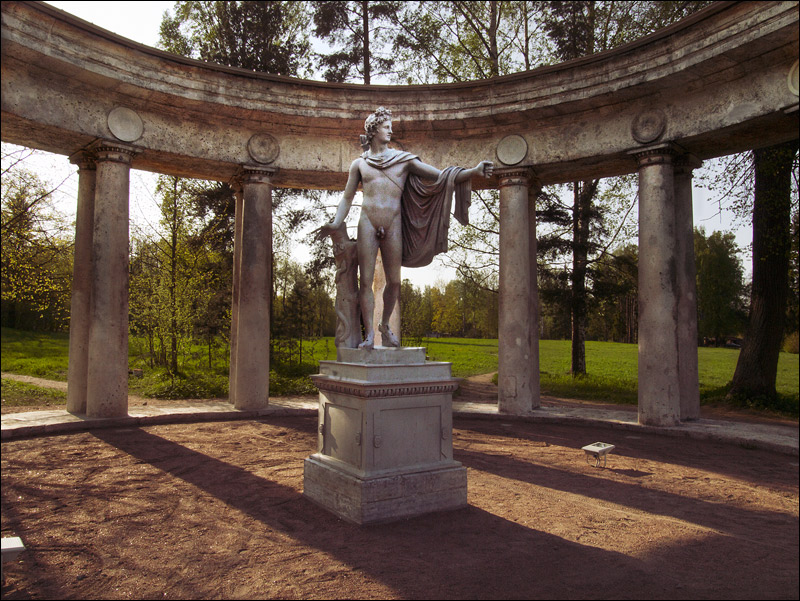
(372, 123)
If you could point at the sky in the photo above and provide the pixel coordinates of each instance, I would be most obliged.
(140, 21)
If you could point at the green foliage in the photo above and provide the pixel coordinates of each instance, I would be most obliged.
(20, 394)
(720, 286)
(271, 37)
(359, 31)
(178, 281)
(791, 344)
(36, 255)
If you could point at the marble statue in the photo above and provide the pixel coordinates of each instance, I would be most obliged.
(402, 215)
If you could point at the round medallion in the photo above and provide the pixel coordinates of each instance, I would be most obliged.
(125, 124)
(792, 79)
(512, 149)
(263, 148)
(648, 126)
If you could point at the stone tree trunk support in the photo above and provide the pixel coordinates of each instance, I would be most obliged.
(515, 391)
(253, 292)
(107, 372)
(687, 287)
(659, 388)
(80, 307)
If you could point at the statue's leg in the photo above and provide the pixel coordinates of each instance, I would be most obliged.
(367, 255)
(392, 254)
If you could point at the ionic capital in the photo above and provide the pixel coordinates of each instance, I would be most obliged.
(657, 154)
(517, 176)
(249, 174)
(84, 159)
(115, 152)
(686, 163)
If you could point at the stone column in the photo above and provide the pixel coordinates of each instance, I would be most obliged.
(80, 307)
(659, 390)
(533, 194)
(515, 394)
(687, 288)
(107, 374)
(251, 386)
(237, 257)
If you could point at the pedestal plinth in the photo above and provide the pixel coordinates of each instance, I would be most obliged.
(385, 446)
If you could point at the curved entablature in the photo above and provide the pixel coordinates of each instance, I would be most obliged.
(721, 81)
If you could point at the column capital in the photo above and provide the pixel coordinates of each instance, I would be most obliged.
(686, 163)
(517, 176)
(84, 159)
(657, 154)
(116, 152)
(250, 174)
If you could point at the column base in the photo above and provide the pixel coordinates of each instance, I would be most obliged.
(376, 499)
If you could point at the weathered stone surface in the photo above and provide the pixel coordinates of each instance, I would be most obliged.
(720, 78)
(385, 448)
(387, 498)
(515, 393)
(404, 355)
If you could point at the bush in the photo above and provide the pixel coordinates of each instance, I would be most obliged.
(791, 343)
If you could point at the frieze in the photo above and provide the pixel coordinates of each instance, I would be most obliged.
(372, 391)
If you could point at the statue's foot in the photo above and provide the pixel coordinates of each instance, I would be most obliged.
(389, 339)
(369, 343)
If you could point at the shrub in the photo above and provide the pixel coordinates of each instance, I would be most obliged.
(791, 343)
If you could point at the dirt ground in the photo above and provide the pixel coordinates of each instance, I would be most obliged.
(215, 510)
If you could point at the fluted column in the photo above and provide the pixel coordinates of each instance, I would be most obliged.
(687, 288)
(107, 374)
(251, 386)
(237, 258)
(533, 194)
(659, 389)
(80, 306)
(515, 394)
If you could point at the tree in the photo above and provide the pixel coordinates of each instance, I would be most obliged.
(176, 288)
(757, 367)
(36, 253)
(355, 29)
(270, 37)
(614, 304)
(720, 286)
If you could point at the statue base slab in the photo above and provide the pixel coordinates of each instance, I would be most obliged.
(385, 445)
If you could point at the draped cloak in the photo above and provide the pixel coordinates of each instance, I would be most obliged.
(425, 207)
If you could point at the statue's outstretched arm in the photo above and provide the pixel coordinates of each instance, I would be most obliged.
(484, 168)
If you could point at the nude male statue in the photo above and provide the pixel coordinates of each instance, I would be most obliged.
(385, 217)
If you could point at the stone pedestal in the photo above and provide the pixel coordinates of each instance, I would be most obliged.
(385, 447)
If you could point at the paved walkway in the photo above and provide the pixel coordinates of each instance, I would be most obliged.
(782, 438)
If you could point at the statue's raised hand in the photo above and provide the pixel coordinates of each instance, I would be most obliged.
(485, 168)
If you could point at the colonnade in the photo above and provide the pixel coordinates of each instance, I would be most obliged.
(97, 383)
(668, 373)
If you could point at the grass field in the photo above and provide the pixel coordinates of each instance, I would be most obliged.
(611, 367)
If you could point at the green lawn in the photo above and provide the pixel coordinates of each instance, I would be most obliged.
(612, 368)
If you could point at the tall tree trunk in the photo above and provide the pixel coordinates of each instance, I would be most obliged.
(757, 368)
(583, 194)
(365, 20)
